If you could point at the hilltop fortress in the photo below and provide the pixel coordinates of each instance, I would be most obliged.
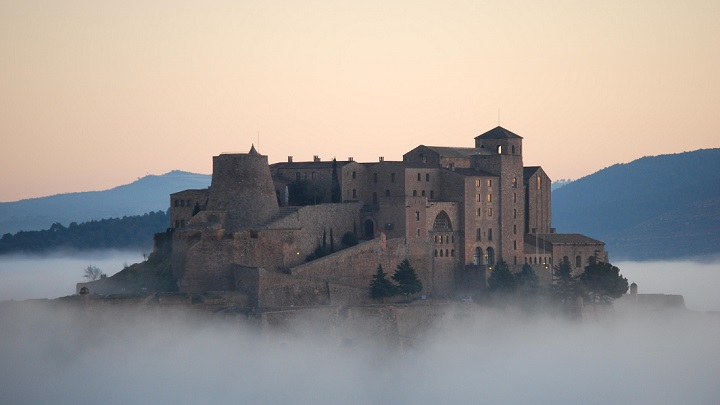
(452, 211)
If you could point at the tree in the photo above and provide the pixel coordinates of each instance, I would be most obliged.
(527, 280)
(196, 209)
(566, 288)
(407, 279)
(332, 242)
(501, 280)
(380, 286)
(603, 281)
(335, 192)
(93, 273)
(349, 239)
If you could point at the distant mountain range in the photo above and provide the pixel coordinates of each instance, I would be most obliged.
(659, 207)
(148, 194)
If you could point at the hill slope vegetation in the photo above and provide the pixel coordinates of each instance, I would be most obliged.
(652, 208)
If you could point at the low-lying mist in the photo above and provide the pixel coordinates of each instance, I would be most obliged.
(58, 354)
(55, 274)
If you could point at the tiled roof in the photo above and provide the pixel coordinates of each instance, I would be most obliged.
(473, 172)
(568, 239)
(498, 133)
(452, 152)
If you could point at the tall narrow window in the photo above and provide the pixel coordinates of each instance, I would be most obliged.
(514, 213)
(417, 215)
(432, 194)
(392, 177)
(514, 245)
(477, 183)
(354, 175)
(539, 182)
(578, 261)
(489, 233)
(489, 212)
(354, 193)
(479, 212)
(427, 176)
(489, 183)
(514, 184)
(419, 177)
(489, 197)
(477, 197)
(514, 197)
(414, 193)
(374, 177)
(478, 234)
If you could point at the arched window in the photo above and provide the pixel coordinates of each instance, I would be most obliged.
(477, 256)
(369, 229)
(435, 252)
(499, 149)
(512, 149)
(441, 253)
(490, 258)
(442, 222)
(578, 261)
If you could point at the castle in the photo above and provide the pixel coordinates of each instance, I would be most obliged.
(454, 212)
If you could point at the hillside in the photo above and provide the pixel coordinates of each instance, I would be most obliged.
(148, 194)
(657, 207)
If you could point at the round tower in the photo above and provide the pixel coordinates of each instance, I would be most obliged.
(242, 186)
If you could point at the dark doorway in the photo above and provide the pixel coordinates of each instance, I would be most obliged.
(369, 229)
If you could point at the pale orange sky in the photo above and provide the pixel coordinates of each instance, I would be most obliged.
(94, 94)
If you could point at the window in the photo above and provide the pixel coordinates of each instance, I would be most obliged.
(489, 183)
(478, 234)
(514, 228)
(182, 203)
(452, 252)
(435, 252)
(489, 233)
(489, 197)
(477, 256)
(441, 253)
(417, 232)
(432, 194)
(422, 193)
(374, 177)
(354, 193)
(514, 257)
(188, 203)
(479, 212)
(477, 198)
(387, 193)
(514, 245)
(539, 182)
(514, 197)
(578, 259)
(297, 175)
(514, 213)
(427, 176)
(477, 183)
(446, 253)
(392, 177)
(489, 212)
(414, 193)
(419, 177)
(417, 215)
(305, 176)
(354, 175)
(512, 150)
(499, 149)
(314, 174)
(177, 203)
(514, 184)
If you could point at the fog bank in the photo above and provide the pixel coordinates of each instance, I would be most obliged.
(60, 355)
(695, 281)
(55, 275)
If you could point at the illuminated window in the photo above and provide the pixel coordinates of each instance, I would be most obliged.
(539, 182)
(489, 183)
(479, 212)
(489, 212)
(514, 183)
(477, 183)
(477, 198)
(489, 197)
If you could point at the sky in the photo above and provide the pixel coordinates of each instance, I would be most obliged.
(95, 94)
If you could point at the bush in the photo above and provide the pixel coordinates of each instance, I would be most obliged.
(349, 239)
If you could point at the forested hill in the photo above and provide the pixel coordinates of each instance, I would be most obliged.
(150, 193)
(657, 207)
(135, 232)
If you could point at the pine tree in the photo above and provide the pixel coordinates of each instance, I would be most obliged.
(501, 280)
(332, 242)
(407, 279)
(527, 280)
(380, 286)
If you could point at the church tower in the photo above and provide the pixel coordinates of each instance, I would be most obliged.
(503, 157)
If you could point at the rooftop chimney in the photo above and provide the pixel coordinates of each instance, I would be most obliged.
(382, 159)
(289, 159)
(350, 159)
(316, 158)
